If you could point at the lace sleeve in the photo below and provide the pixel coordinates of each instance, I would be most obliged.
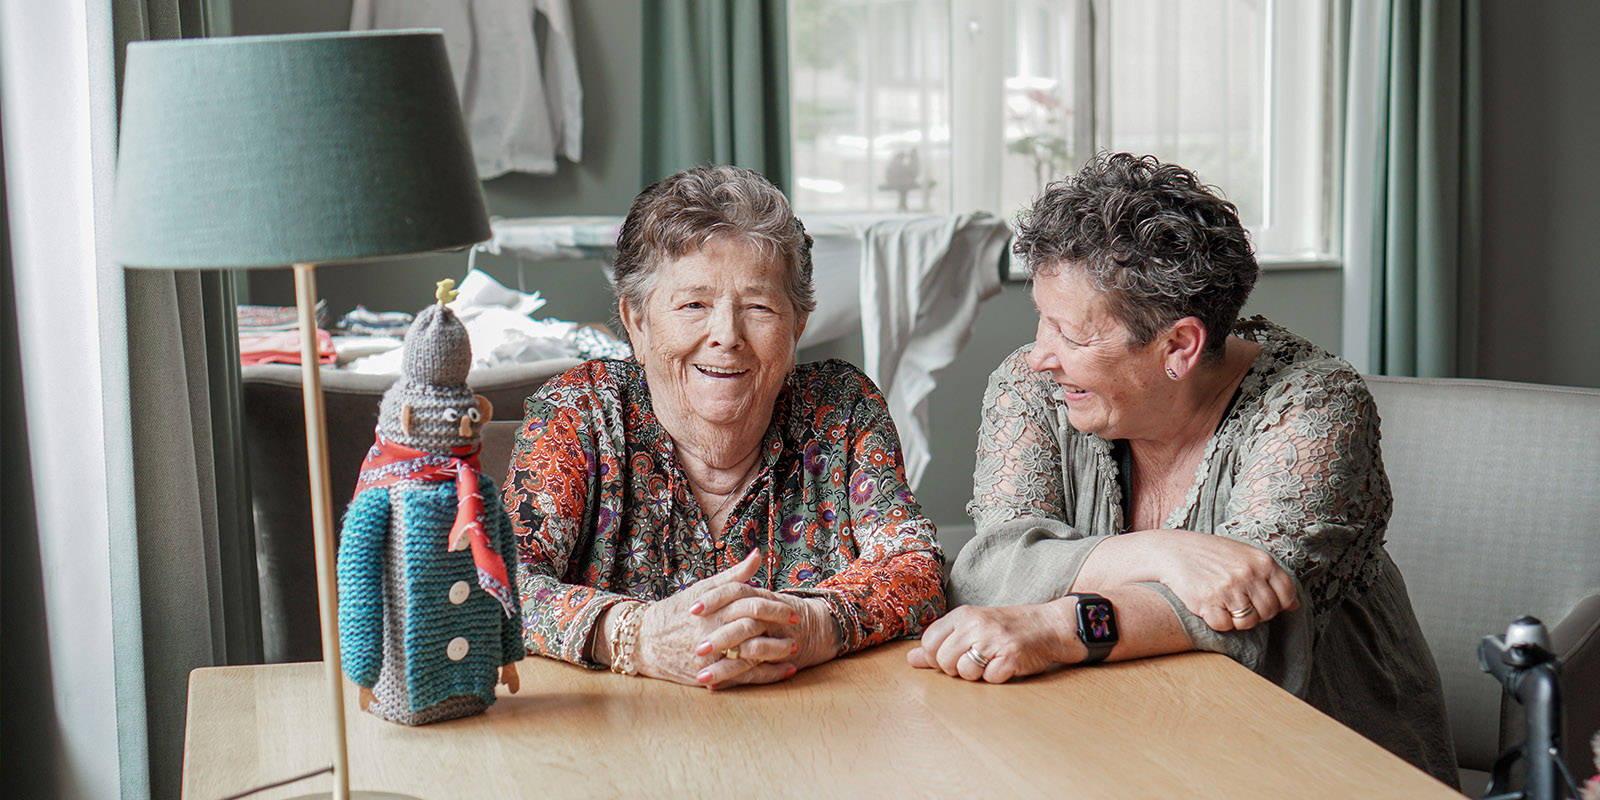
(1018, 472)
(554, 466)
(1311, 489)
(1027, 547)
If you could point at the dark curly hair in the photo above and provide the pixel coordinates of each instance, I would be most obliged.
(1157, 241)
(679, 214)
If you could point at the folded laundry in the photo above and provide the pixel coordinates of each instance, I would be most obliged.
(282, 347)
(365, 322)
(275, 318)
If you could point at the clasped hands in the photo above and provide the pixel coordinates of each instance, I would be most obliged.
(723, 632)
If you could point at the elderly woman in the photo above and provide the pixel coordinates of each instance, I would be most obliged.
(1156, 475)
(708, 512)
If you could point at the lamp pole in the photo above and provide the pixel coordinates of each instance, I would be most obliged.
(305, 292)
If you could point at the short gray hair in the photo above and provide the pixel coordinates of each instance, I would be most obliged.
(678, 215)
(1161, 245)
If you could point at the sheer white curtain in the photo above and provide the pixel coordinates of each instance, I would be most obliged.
(56, 75)
(130, 567)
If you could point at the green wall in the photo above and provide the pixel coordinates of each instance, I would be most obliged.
(1541, 194)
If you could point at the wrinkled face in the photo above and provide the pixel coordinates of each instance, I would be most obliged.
(717, 338)
(1109, 386)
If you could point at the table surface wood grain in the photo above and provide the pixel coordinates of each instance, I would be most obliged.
(1190, 725)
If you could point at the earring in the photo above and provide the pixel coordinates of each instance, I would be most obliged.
(1171, 374)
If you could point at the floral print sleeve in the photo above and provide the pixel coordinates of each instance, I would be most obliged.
(603, 512)
(890, 583)
(554, 464)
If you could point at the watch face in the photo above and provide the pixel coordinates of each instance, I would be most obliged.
(1097, 623)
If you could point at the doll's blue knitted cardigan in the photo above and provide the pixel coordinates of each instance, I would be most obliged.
(424, 513)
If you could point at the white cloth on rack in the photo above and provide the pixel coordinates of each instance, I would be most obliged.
(922, 278)
(522, 108)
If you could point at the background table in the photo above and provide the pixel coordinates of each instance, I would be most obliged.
(1191, 725)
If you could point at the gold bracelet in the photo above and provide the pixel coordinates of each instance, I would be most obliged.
(625, 639)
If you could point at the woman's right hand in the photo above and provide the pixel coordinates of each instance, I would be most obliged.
(1214, 576)
(672, 632)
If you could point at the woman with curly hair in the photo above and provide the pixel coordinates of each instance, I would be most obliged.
(1156, 474)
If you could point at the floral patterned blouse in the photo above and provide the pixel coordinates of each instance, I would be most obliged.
(603, 512)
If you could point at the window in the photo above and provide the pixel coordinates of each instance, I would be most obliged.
(953, 105)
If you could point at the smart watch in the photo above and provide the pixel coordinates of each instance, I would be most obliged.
(1097, 626)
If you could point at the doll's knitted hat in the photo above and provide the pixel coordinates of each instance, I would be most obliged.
(433, 383)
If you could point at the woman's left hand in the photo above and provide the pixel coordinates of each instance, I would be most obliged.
(1008, 641)
(810, 637)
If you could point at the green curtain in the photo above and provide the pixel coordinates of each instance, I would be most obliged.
(1413, 182)
(716, 86)
(185, 579)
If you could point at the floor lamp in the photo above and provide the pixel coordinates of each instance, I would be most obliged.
(299, 150)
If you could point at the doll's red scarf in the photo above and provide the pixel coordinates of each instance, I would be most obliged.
(388, 463)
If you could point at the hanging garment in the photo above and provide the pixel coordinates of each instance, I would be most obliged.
(922, 278)
(522, 107)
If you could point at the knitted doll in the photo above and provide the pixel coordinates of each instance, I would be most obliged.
(427, 610)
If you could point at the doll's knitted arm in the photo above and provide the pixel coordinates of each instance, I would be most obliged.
(361, 545)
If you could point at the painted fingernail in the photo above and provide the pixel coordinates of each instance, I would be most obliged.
(794, 647)
(794, 619)
(705, 675)
(703, 649)
(697, 608)
(791, 672)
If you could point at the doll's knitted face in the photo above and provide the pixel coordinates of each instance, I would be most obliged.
(433, 419)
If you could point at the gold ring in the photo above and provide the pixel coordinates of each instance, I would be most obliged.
(978, 658)
(732, 653)
(1243, 612)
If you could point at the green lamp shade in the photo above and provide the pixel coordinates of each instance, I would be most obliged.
(312, 148)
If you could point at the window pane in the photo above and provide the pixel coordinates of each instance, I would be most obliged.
(1041, 109)
(870, 104)
(1188, 84)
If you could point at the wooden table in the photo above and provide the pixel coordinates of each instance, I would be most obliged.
(1191, 725)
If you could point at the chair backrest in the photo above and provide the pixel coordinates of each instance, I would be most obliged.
(1496, 514)
(495, 457)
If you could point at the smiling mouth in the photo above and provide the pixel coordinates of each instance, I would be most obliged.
(719, 372)
(1070, 389)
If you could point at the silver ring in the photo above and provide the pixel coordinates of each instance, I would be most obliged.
(1243, 612)
(978, 658)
